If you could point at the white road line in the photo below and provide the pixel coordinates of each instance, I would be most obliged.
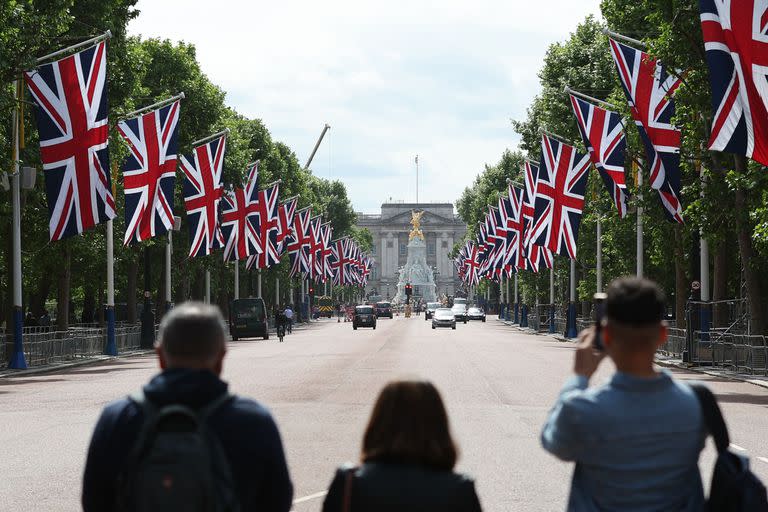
(737, 447)
(310, 497)
(763, 459)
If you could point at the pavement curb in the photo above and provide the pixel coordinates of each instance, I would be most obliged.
(737, 377)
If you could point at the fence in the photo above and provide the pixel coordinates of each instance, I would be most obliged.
(44, 346)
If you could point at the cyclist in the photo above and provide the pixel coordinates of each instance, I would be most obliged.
(280, 322)
(288, 313)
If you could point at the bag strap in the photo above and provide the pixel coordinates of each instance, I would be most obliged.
(205, 412)
(347, 503)
(713, 417)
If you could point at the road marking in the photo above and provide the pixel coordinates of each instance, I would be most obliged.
(737, 447)
(763, 459)
(310, 497)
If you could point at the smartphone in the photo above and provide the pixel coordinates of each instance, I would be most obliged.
(599, 299)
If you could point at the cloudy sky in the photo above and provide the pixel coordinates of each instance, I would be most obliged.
(394, 79)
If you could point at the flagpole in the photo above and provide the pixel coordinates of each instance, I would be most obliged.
(277, 291)
(111, 347)
(705, 313)
(517, 303)
(258, 284)
(225, 131)
(552, 298)
(508, 299)
(168, 269)
(587, 97)
(417, 179)
(18, 361)
(237, 279)
(616, 35)
(571, 327)
(93, 40)
(599, 270)
(639, 254)
(207, 286)
(157, 104)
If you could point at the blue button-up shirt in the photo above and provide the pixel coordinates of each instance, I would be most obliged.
(636, 443)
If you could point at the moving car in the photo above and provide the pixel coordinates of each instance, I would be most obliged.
(383, 309)
(443, 317)
(476, 314)
(364, 316)
(430, 310)
(460, 311)
(248, 319)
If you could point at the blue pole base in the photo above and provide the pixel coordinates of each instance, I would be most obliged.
(523, 316)
(552, 319)
(18, 361)
(705, 315)
(110, 348)
(571, 321)
(517, 313)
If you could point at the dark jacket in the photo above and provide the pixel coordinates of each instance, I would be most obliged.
(381, 487)
(248, 435)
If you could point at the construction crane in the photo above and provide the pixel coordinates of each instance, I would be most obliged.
(319, 140)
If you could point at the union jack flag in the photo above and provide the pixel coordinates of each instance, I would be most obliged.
(340, 262)
(559, 196)
(239, 224)
(149, 172)
(202, 192)
(736, 42)
(511, 234)
(472, 264)
(315, 247)
(603, 135)
(649, 90)
(325, 270)
(285, 216)
(71, 110)
(532, 257)
(298, 243)
(513, 208)
(267, 227)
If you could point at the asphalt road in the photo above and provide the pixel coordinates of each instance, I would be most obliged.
(321, 383)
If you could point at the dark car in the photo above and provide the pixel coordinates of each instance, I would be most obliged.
(443, 317)
(364, 317)
(476, 314)
(430, 310)
(383, 309)
(248, 319)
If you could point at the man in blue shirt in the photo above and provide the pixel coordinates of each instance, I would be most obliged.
(636, 439)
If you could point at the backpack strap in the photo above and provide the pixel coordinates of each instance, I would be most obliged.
(205, 412)
(713, 417)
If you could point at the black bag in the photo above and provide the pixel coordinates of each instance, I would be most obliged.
(177, 463)
(734, 487)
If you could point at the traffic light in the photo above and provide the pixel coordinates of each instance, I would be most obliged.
(311, 290)
(408, 290)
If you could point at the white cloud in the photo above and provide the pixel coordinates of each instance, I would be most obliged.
(395, 79)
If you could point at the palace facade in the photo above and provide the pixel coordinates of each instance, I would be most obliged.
(442, 229)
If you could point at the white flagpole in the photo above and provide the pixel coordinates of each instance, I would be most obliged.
(168, 269)
(571, 327)
(552, 298)
(258, 284)
(207, 286)
(111, 347)
(639, 255)
(599, 270)
(18, 361)
(237, 279)
(277, 291)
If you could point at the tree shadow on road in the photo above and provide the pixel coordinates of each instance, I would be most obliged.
(742, 398)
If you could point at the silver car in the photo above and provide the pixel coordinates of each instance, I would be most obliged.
(443, 317)
(476, 314)
(460, 312)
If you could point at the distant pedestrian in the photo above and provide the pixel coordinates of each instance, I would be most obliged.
(636, 439)
(45, 319)
(408, 457)
(183, 442)
(30, 320)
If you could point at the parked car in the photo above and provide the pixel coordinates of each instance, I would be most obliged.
(430, 309)
(383, 309)
(475, 314)
(364, 316)
(443, 317)
(460, 312)
(248, 319)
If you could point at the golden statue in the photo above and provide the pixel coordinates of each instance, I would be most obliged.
(416, 223)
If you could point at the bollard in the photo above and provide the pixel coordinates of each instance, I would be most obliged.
(551, 318)
(523, 315)
(517, 314)
(111, 347)
(570, 331)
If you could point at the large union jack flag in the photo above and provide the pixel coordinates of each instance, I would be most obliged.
(202, 192)
(511, 221)
(340, 262)
(71, 111)
(266, 214)
(649, 89)
(736, 42)
(603, 136)
(149, 172)
(532, 256)
(239, 223)
(299, 241)
(559, 196)
(285, 217)
(472, 264)
(325, 271)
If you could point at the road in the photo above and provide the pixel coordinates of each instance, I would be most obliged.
(320, 384)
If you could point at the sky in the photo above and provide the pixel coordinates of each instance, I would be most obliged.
(396, 79)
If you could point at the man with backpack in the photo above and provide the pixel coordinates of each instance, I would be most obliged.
(183, 442)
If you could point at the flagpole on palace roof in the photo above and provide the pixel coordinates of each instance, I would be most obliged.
(225, 131)
(93, 40)
(157, 104)
(568, 90)
(616, 35)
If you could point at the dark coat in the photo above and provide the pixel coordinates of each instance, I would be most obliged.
(246, 430)
(380, 487)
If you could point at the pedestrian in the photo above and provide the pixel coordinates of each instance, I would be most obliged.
(235, 460)
(30, 320)
(407, 459)
(635, 439)
(45, 319)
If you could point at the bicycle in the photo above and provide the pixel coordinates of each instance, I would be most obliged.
(280, 332)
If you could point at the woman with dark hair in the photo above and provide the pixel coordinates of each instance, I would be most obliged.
(408, 458)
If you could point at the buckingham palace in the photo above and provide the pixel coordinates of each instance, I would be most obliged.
(442, 228)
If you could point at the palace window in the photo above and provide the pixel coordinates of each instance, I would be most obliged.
(403, 249)
(431, 246)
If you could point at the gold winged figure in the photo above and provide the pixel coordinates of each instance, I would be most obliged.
(416, 223)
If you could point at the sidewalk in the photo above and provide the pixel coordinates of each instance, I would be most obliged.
(666, 361)
(88, 360)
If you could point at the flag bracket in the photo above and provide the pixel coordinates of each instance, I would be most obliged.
(158, 104)
(225, 131)
(93, 40)
(616, 35)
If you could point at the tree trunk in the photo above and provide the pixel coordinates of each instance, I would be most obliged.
(130, 294)
(63, 294)
(720, 285)
(89, 305)
(746, 252)
(681, 288)
(38, 300)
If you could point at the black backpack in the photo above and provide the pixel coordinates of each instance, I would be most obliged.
(734, 487)
(177, 463)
